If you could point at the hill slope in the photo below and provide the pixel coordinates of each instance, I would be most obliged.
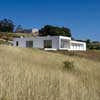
(30, 74)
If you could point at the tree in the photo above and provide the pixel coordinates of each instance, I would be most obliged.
(54, 31)
(6, 25)
(88, 41)
(19, 29)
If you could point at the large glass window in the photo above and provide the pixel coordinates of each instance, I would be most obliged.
(29, 44)
(47, 43)
(64, 44)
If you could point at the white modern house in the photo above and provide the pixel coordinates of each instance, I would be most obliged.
(50, 43)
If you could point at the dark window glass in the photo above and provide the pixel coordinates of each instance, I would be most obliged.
(65, 44)
(47, 43)
(29, 44)
(17, 43)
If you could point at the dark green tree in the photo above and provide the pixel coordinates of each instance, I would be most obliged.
(88, 41)
(54, 31)
(6, 25)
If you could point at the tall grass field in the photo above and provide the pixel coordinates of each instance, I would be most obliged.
(32, 74)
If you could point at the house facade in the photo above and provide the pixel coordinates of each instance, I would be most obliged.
(50, 43)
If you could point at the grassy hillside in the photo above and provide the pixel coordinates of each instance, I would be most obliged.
(6, 38)
(89, 54)
(31, 74)
(10, 36)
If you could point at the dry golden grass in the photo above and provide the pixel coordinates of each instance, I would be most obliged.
(31, 74)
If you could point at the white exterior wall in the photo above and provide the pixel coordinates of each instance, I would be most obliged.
(38, 42)
(64, 38)
(78, 46)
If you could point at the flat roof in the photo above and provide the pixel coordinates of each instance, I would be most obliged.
(73, 41)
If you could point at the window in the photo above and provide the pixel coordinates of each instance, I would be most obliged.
(17, 43)
(29, 44)
(47, 43)
(64, 44)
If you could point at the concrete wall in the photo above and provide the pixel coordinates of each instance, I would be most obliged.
(78, 46)
(67, 39)
(38, 42)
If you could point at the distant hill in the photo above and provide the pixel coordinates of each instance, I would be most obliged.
(95, 45)
(10, 36)
(5, 38)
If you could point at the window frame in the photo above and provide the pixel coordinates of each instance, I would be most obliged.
(47, 43)
(29, 44)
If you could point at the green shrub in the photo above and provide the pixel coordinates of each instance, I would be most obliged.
(68, 65)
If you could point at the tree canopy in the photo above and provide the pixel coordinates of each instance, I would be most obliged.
(54, 31)
(19, 29)
(6, 25)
